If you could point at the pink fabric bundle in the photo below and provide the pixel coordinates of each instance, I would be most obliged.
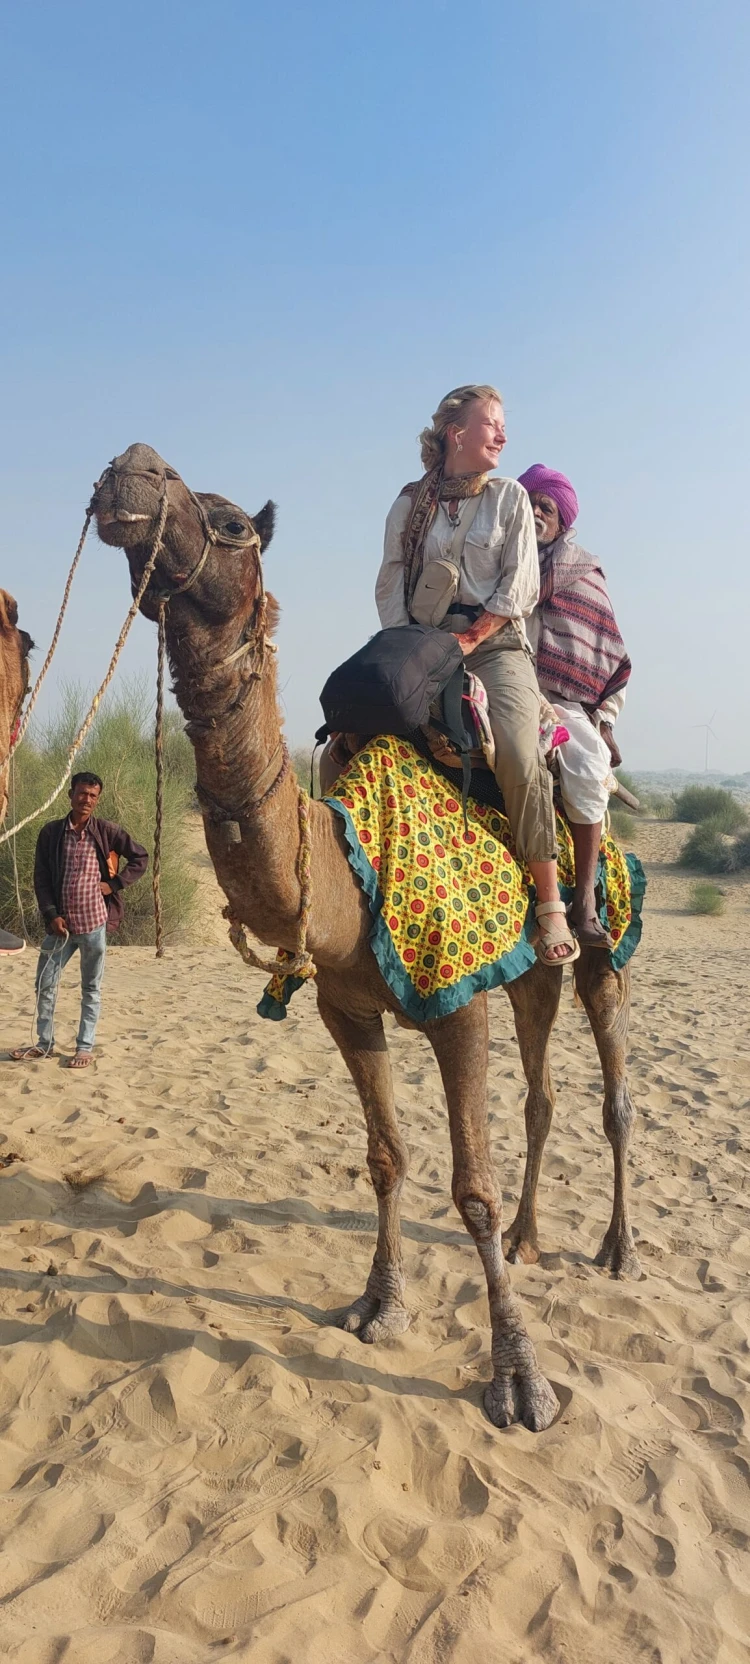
(556, 486)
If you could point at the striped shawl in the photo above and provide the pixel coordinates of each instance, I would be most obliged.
(580, 653)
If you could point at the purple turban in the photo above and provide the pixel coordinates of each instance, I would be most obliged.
(556, 486)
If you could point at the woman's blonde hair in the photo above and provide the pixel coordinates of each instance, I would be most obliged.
(451, 410)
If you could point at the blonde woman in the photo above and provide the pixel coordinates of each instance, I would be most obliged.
(459, 533)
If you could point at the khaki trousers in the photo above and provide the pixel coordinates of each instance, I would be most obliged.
(506, 669)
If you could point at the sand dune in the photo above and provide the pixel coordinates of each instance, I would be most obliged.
(194, 1463)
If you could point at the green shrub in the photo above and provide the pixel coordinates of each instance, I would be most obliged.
(120, 749)
(623, 826)
(739, 853)
(706, 898)
(707, 849)
(658, 805)
(698, 804)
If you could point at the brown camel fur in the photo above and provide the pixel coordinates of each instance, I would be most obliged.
(15, 646)
(228, 697)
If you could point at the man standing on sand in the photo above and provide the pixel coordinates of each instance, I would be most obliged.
(78, 890)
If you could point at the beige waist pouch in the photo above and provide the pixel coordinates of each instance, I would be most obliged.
(439, 579)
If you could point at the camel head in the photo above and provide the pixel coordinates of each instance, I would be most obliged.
(15, 646)
(210, 557)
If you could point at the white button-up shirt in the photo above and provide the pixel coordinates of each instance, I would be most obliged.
(499, 566)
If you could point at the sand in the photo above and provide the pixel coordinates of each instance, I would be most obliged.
(194, 1463)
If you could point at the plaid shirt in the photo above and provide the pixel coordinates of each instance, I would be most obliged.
(84, 906)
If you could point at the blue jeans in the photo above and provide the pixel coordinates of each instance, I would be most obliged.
(54, 956)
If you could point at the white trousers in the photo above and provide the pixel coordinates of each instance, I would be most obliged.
(585, 766)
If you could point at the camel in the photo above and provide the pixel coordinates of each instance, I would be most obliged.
(209, 569)
(15, 646)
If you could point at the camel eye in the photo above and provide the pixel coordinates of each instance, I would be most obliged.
(236, 527)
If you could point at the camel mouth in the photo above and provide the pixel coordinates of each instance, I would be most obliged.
(129, 495)
(120, 531)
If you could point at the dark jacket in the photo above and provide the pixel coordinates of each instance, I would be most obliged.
(107, 836)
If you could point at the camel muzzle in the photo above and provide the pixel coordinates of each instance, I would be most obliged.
(128, 496)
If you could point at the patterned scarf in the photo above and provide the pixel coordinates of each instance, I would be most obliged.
(426, 495)
(580, 654)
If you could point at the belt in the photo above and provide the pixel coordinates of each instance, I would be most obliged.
(458, 607)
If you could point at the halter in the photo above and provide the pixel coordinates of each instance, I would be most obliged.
(257, 639)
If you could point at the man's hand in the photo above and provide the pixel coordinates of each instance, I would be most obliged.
(58, 927)
(106, 889)
(611, 743)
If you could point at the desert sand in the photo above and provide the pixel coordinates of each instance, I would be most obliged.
(195, 1463)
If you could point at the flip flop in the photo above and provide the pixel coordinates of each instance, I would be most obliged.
(81, 1060)
(27, 1054)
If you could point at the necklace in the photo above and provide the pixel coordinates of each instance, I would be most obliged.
(456, 516)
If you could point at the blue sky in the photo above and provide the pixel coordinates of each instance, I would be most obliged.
(267, 238)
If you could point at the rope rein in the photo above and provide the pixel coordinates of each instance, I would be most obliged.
(292, 964)
(99, 695)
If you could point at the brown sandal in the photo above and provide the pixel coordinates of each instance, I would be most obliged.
(81, 1060)
(553, 933)
(28, 1054)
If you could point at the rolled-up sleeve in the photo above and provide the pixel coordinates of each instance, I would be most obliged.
(389, 588)
(517, 591)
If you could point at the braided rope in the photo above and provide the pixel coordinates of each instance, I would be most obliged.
(99, 695)
(159, 759)
(34, 695)
(300, 961)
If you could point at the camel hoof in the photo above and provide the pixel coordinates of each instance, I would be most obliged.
(390, 1321)
(519, 1250)
(521, 1398)
(618, 1255)
(374, 1320)
(360, 1313)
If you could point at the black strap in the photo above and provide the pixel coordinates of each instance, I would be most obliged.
(453, 717)
(458, 607)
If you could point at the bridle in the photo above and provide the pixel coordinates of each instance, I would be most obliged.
(253, 634)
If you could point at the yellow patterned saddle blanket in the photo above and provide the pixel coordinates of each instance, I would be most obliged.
(451, 908)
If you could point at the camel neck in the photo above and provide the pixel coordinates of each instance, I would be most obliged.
(252, 831)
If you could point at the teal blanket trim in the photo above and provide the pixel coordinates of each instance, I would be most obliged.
(628, 943)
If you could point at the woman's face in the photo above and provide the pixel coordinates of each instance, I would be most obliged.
(481, 437)
(546, 517)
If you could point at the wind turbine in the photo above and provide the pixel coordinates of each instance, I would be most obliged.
(706, 726)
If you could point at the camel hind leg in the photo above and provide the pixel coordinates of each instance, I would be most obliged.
(606, 996)
(381, 1310)
(535, 998)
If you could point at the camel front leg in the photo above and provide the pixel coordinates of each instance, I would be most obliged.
(381, 1310)
(535, 998)
(518, 1390)
(606, 996)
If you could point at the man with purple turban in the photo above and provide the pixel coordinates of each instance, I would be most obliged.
(582, 668)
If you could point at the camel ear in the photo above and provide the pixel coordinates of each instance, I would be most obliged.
(264, 523)
(8, 611)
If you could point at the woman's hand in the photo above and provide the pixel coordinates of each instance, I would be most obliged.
(486, 625)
